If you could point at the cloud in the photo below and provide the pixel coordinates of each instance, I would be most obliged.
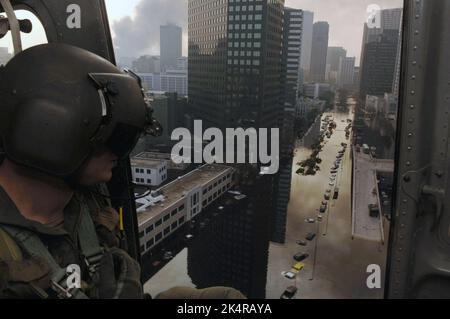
(139, 34)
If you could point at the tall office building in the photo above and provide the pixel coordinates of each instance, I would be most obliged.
(391, 22)
(171, 46)
(235, 240)
(235, 62)
(346, 73)
(334, 56)
(307, 34)
(378, 69)
(147, 64)
(396, 85)
(319, 51)
(292, 84)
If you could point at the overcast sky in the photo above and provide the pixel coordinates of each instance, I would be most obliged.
(135, 23)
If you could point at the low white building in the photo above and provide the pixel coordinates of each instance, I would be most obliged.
(148, 172)
(168, 208)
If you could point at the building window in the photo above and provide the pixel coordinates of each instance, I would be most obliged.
(149, 229)
(173, 213)
(158, 237)
(166, 231)
(166, 218)
(150, 243)
(137, 170)
(141, 234)
(181, 220)
(174, 225)
(158, 223)
(149, 171)
(181, 208)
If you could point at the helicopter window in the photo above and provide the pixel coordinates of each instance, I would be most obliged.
(30, 38)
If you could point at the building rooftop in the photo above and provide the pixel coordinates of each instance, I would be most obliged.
(176, 190)
(146, 162)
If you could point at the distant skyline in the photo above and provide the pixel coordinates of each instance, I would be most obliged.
(135, 23)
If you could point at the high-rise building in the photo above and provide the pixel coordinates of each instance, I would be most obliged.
(171, 46)
(235, 240)
(396, 85)
(378, 69)
(171, 81)
(307, 34)
(391, 21)
(5, 56)
(147, 64)
(346, 73)
(334, 56)
(356, 78)
(291, 57)
(235, 62)
(292, 84)
(319, 51)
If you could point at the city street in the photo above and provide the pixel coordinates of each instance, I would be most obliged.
(336, 267)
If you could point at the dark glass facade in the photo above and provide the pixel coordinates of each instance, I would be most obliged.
(319, 51)
(235, 62)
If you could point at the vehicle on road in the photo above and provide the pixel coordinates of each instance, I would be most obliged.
(331, 184)
(323, 208)
(299, 266)
(301, 243)
(319, 218)
(310, 220)
(324, 203)
(336, 193)
(288, 274)
(301, 256)
(310, 236)
(168, 255)
(289, 293)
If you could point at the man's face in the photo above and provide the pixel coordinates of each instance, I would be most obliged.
(98, 168)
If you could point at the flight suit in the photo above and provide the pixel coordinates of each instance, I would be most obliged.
(24, 277)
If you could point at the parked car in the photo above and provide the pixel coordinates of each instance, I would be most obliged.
(299, 266)
(302, 243)
(289, 293)
(310, 220)
(327, 196)
(319, 218)
(310, 236)
(301, 256)
(323, 208)
(289, 274)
